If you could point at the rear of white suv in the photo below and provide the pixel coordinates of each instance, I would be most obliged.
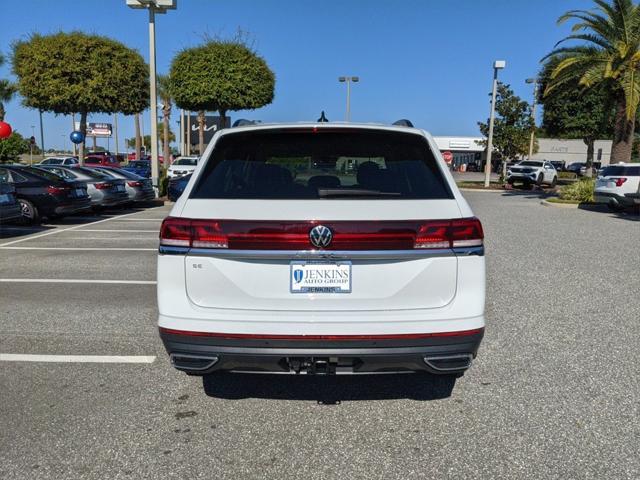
(616, 183)
(321, 248)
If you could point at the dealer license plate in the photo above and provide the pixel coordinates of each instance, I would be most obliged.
(320, 277)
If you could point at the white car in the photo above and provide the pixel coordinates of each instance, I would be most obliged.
(61, 161)
(616, 185)
(532, 172)
(182, 166)
(321, 248)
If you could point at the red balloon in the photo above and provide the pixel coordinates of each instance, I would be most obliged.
(5, 130)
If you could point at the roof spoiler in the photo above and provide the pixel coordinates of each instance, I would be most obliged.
(403, 122)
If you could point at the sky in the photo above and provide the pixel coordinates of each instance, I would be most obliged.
(426, 60)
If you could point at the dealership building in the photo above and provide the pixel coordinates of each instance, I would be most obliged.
(468, 150)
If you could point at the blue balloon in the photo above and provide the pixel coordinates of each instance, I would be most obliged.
(76, 137)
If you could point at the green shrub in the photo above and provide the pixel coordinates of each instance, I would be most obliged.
(581, 191)
(567, 175)
(163, 183)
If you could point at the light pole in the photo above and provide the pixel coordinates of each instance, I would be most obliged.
(33, 135)
(497, 65)
(154, 6)
(533, 113)
(348, 81)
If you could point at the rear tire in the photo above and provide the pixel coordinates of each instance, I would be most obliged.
(540, 180)
(554, 182)
(30, 214)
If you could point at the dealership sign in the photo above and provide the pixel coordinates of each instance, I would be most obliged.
(212, 124)
(96, 129)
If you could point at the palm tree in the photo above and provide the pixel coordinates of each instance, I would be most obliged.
(610, 55)
(164, 94)
(7, 91)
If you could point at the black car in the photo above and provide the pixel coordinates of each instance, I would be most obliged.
(177, 186)
(558, 164)
(44, 194)
(9, 207)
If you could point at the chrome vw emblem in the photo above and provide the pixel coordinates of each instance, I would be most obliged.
(320, 236)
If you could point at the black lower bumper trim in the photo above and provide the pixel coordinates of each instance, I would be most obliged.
(442, 355)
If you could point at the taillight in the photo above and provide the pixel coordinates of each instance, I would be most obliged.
(619, 181)
(103, 186)
(175, 232)
(134, 184)
(53, 190)
(346, 235)
(466, 232)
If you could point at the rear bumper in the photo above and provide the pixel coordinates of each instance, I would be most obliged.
(68, 209)
(612, 198)
(440, 353)
(144, 196)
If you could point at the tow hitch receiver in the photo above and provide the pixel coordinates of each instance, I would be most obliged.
(313, 365)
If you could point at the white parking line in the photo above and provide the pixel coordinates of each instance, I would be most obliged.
(77, 280)
(82, 249)
(60, 230)
(116, 231)
(139, 219)
(19, 357)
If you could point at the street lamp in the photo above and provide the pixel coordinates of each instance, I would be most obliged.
(154, 6)
(348, 81)
(536, 83)
(497, 65)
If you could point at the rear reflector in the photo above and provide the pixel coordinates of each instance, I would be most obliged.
(251, 336)
(345, 235)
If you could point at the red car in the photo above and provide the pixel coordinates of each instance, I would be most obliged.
(101, 161)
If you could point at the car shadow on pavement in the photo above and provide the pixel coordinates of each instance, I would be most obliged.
(329, 390)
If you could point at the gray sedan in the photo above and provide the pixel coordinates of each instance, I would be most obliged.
(139, 189)
(105, 190)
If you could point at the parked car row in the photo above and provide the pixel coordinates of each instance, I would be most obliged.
(50, 190)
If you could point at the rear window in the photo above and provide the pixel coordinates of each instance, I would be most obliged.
(41, 172)
(186, 161)
(89, 172)
(621, 171)
(305, 164)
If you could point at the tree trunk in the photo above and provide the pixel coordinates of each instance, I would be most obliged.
(83, 130)
(138, 139)
(166, 112)
(2, 112)
(590, 149)
(223, 118)
(622, 135)
(201, 132)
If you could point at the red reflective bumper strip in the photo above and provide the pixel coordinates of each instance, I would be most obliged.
(250, 336)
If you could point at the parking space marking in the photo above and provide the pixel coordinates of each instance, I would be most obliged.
(75, 227)
(117, 231)
(88, 249)
(20, 357)
(159, 220)
(77, 280)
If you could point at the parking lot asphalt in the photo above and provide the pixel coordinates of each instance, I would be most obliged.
(554, 392)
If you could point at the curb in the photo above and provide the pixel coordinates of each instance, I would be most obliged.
(486, 190)
(560, 205)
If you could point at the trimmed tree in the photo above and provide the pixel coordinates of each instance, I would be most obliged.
(572, 111)
(512, 126)
(220, 76)
(67, 73)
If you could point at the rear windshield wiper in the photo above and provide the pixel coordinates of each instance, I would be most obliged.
(339, 192)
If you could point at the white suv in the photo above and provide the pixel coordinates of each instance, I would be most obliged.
(321, 248)
(182, 166)
(532, 172)
(616, 185)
